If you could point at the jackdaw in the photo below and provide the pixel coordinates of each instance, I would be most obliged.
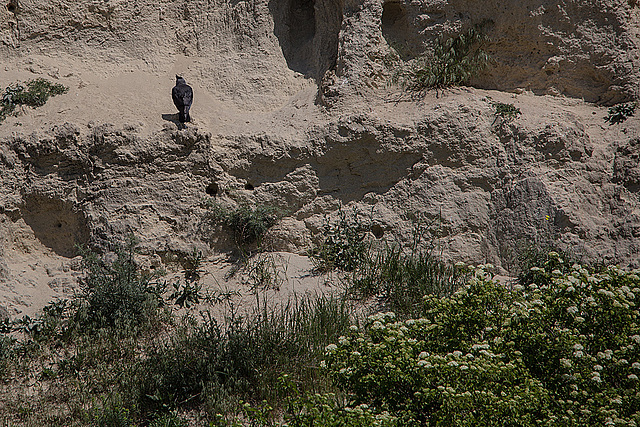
(182, 95)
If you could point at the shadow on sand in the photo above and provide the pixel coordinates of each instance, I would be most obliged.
(174, 119)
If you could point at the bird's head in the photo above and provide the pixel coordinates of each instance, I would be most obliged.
(179, 79)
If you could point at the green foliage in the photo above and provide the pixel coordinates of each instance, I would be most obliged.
(189, 293)
(326, 410)
(186, 294)
(400, 279)
(454, 61)
(117, 293)
(49, 324)
(564, 352)
(192, 266)
(7, 354)
(35, 94)
(505, 113)
(112, 415)
(323, 410)
(536, 265)
(217, 364)
(343, 246)
(621, 112)
(263, 272)
(247, 224)
(308, 410)
(168, 420)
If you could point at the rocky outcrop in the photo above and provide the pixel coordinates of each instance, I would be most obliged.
(545, 177)
(586, 50)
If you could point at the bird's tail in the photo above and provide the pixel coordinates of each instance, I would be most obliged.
(183, 115)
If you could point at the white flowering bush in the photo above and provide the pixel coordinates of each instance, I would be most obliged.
(564, 350)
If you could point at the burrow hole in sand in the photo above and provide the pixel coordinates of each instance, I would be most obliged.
(308, 33)
(398, 30)
(57, 224)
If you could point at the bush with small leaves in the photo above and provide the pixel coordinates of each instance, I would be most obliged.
(505, 113)
(247, 224)
(621, 112)
(564, 349)
(343, 245)
(117, 293)
(35, 94)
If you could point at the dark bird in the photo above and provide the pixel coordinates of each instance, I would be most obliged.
(182, 95)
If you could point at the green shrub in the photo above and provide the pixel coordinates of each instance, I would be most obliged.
(219, 364)
(35, 94)
(536, 265)
(168, 420)
(621, 112)
(343, 245)
(558, 353)
(117, 293)
(247, 224)
(505, 113)
(111, 413)
(324, 410)
(453, 61)
(113, 417)
(401, 279)
(307, 410)
(7, 354)
(190, 292)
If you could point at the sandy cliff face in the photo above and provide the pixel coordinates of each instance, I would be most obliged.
(293, 108)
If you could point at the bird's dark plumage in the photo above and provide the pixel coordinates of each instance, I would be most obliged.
(182, 95)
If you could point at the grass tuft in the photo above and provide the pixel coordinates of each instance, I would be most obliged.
(247, 224)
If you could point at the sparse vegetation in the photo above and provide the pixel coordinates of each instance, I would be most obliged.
(343, 244)
(35, 94)
(117, 293)
(138, 362)
(505, 113)
(247, 224)
(621, 112)
(453, 61)
(189, 293)
(400, 279)
(397, 278)
(263, 271)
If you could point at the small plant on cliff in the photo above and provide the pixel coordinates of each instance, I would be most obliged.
(189, 293)
(343, 245)
(36, 94)
(117, 293)
(621, 112)
(453, 61)
(247, 224)
(505, 113)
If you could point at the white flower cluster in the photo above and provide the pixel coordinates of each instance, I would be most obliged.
(331, 348)
(565, 363)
